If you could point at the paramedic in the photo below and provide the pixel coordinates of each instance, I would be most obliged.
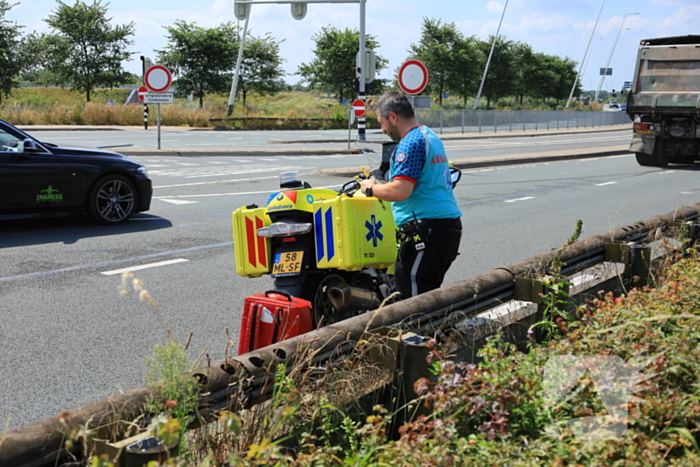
(423, 204)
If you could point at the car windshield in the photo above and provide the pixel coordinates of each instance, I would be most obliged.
(669, 76)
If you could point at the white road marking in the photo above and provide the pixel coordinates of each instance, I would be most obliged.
(519, 199)
(215, 181)
(687, 193)
(666, 172)
(144, 266)
(605, 184)
(177, 201)
(184, 163)
(211, 195)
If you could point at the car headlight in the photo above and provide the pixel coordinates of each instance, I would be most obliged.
(143, 171)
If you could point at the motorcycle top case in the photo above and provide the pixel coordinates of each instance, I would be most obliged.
(271, 317)
(252, 252)
(352, 233)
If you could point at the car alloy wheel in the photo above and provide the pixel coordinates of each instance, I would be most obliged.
(112, 200)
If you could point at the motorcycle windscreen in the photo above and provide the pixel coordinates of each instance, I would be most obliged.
(354, 233)
(252, 252)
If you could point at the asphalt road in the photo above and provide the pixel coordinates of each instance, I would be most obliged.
(272, 143)
(67, 337)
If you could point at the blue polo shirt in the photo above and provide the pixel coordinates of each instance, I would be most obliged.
(420, 158)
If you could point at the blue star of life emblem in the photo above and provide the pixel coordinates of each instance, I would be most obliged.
(374, 234)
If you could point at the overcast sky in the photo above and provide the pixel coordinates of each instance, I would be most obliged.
(556, 27)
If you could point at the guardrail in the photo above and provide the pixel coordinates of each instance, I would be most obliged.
(476, 306)
(478, 121)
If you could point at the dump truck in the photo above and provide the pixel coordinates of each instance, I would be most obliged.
(664, 101)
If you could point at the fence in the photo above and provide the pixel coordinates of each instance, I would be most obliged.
(477, 306)
(478, 121)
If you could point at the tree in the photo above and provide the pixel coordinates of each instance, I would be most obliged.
(333, 68)
(501, 73)
(200, 58)
(203, 60)
(466, 68)
(261, 67)
(84, 49)
(11, 60)
(440, 48)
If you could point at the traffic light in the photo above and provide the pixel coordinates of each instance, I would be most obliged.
(614, 94)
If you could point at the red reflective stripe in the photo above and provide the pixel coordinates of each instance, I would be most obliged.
(262, 251)
(251, 241)
(401, 177)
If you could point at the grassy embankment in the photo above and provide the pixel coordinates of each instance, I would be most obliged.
(61, 106)
(57, 106)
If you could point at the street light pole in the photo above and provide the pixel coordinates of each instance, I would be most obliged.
(488, 61)
(602, 78)
(573, 88)
(361, 121)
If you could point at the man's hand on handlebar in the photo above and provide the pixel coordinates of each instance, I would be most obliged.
(367, 183)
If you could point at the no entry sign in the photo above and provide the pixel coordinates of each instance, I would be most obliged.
(413, 77)
(358, 106)
(143, 90)
(158, 78)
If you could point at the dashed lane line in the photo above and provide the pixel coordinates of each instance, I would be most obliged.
(102, 264)
(145, 266)
(519, 199)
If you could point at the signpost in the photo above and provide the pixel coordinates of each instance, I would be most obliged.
(157, 79)
(413, 77)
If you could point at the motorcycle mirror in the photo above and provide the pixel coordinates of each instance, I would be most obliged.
(350, 188)
(455, 175)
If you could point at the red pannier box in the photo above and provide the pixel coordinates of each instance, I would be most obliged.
(272, 317)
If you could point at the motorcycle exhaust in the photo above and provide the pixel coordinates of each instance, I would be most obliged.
(345, 298)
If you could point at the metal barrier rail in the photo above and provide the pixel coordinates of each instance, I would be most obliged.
(478, 121)
(246, 380)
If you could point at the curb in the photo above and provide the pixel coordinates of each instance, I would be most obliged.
(238, 153)
(483, 135)
(496, 161)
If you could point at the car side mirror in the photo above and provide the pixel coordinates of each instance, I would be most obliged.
(30, 146)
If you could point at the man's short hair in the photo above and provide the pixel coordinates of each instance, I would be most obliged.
(395, 101)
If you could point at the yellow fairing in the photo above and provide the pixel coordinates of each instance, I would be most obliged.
(353, 233)
(252, 252)
(300, 200)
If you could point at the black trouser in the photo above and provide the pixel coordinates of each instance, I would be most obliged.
(428, 248)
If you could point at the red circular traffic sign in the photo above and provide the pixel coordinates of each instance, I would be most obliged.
(158, 78)
(413, 77)
(358, 105)
(143, 90)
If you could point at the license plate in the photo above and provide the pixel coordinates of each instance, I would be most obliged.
(287, 263)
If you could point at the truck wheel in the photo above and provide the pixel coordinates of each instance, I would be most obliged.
(662, 159)
(646, 160)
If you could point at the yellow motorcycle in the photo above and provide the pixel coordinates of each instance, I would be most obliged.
(336, 249)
